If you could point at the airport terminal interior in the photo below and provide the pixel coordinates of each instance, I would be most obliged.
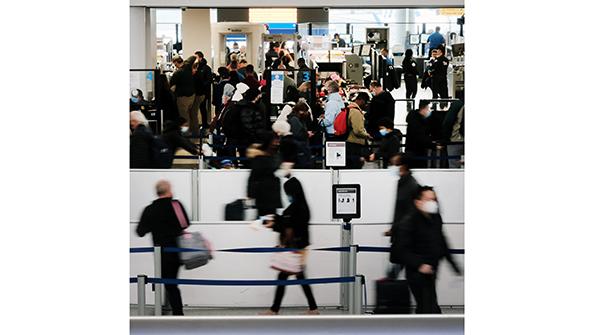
(301, 162)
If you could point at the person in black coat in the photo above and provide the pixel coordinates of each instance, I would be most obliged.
(407, 187)
(419, 138)
(390, 146)
(382, 106)
(141, 140)
(263, 186)
(292, 226)
(410, 70)
(420, 245)
(164, 219)
(172, 135)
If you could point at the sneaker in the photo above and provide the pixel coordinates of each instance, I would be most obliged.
(268, 312)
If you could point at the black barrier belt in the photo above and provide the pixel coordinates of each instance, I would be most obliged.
(274, 250)
(239, 282)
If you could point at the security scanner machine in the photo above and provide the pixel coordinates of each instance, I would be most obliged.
(458, 71)
(223, 32)
(378, 37)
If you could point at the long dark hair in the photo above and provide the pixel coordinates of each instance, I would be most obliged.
(293, 188)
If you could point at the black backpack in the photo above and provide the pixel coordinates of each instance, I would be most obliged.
(161, 155)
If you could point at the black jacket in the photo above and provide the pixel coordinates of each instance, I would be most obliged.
(140, 148)
(183, 82)
(418, 133)
(407, 187)
(263, 185)
(439, 69)
(174, 139)
(298, 128)
(409, 68)
(159, 219)
(381, 106)
(288, 149)
(420, 240)
(389, 146)
(203, 78)
(252, 120)
(293, 223)
(218, 94)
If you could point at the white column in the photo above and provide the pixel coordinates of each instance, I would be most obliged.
(143, 46)
(196, 32)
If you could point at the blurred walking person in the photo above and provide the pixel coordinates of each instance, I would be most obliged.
(165, 219)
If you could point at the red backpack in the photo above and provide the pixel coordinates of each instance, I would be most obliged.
(340, 123)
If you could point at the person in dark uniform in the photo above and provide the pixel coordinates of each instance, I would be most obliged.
(165, 219)
(420, 245)
(410, 70)
(141, 139)
(438, 73)
(340, 42)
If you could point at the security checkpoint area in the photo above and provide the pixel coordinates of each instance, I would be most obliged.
(305, 168)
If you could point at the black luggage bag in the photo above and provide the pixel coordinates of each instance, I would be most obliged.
(392, 297)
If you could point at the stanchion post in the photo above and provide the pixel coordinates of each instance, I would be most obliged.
(140, 284)
(352, 271)
(357, 296)
(157, 261)
(346, 240)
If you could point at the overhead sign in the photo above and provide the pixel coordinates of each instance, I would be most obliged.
(277, 87)
(346, 201)
(335, 154)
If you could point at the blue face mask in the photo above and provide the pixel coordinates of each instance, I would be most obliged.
(134, 99)
(290, 199)
(429, 113)
(383, 132)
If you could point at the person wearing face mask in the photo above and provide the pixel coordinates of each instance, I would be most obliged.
(381, 106)
(173, 137)
(292, 227)
(419, 138)
(390, 144)
(420, 245)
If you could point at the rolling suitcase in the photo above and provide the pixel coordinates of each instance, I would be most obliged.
(392, 297)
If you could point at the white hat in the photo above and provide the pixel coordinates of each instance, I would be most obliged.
(241, 88)
(281, 127)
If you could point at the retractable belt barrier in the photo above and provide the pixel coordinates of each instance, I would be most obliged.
(273, 250)
(354, 281)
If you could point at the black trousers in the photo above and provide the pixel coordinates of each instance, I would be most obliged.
(204, 115)
(354, 152)
(280, 292)
(440, 89)
(410, 86)
(170, 265)
(423, 288)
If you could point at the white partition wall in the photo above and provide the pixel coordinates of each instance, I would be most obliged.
(142, 188)
(211, 190)
(246, 266)
(379, 189)
(217, 188)
(449, 185)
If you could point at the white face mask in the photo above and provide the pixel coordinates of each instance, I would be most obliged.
(394, 170)
(184, 129)
(430, 207)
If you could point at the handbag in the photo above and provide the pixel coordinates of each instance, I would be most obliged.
(191, 240)
(198, 258)
(288, 261)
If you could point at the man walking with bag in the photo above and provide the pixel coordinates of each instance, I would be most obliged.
(165, 219)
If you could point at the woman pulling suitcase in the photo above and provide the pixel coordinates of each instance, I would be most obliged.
(293, 228)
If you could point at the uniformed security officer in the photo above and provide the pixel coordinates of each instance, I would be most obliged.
(410, 69)
(438, 73)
